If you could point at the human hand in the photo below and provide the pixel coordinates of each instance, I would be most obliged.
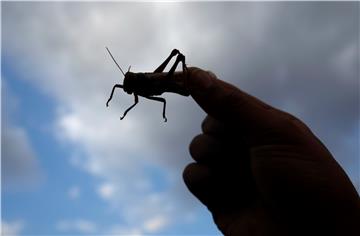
(261, 171)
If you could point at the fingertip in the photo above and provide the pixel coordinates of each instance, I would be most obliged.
(209, 92)
(204, 149)
(212, 126)
(199, 80)
(193, 145)
(195, 174)
(187, 172)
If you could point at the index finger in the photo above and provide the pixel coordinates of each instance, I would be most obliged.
(226, 102)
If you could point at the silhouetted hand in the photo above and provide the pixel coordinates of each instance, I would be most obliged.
(261, 171)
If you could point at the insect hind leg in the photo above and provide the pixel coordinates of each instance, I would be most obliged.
(112, 93)
(179, 58)
(161, 68)
(136, 98)
(159, 99)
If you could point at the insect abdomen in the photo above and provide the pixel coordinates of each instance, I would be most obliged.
(161, 83)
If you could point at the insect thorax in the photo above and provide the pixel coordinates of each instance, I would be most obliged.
(130, 82)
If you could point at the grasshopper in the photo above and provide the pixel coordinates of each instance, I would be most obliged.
(151, 84)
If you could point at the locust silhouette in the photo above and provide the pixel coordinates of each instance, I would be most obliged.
(152, 84)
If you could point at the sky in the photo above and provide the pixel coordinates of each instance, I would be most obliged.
(70, 166)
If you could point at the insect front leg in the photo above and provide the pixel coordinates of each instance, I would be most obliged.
(136, 98)
(161, 68)
(160, 100)
(112, 93)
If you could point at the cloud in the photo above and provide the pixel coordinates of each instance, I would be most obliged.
(296, 56)
(150, 226)
(12, 228)
(83, 226)
(121, 230)
(106, 190)
(155, 224)
(20, 168)
(76, 226)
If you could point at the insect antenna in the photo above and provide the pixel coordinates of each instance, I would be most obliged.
(115, 61)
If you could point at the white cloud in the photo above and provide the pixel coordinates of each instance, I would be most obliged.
(150, 226)
(74, 192)
(76, 226)
(12, 228)
(155, 224)
(121, 230)
(106, 190)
